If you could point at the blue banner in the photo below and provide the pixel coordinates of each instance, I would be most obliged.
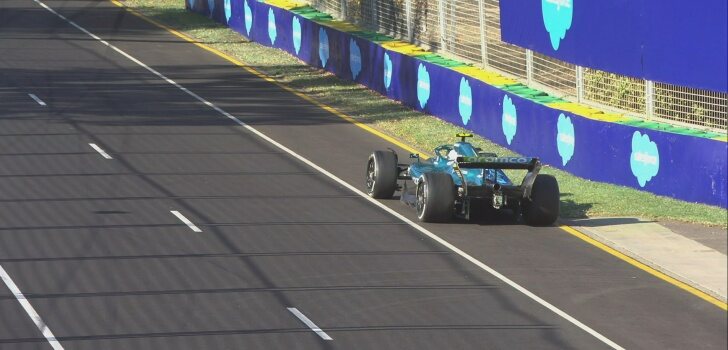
(673, 41)
(680, 166)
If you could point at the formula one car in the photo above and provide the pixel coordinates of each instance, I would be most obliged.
(457, 177)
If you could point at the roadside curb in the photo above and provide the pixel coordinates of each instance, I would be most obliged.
(664, 271)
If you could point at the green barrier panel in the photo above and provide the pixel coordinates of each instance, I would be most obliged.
(530, 92)
(441, 61)
(372, 36)
(546, 99)
(304, 9)
(670, 128)
(515, 87)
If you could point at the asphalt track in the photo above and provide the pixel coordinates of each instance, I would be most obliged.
(93, 244)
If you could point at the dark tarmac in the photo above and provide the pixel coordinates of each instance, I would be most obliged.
(94, 246)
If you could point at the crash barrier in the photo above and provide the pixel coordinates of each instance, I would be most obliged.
(670, 41)
(645, 58)
(660, 158)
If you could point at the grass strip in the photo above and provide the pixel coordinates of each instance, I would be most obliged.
(580, 198)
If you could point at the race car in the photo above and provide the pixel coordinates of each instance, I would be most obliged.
(459, 179)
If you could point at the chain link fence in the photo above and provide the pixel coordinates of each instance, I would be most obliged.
(615, 91)
(461, 28)
(469, 30)
(554, 75)
(691, 106)
(501, 56)
(425, 24)
(332, 7)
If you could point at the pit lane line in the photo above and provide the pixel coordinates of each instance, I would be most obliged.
(186, 221)
(304, 160)
(37, 320)
(309, 323)
(100, 150)
(37, 99)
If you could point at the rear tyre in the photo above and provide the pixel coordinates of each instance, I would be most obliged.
(382, 174)
(435, 197)
(543, 208)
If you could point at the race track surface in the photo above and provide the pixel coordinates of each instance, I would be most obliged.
(96, 247)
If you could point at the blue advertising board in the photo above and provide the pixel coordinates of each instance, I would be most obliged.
(673, 41)
(680, 166)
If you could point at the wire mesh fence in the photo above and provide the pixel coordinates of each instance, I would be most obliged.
(426, 24)
(470, 31)
(502, 56)
(390, 18)
(461, 28)
(358, 11)
(332, 7)
(559, 77)
(691, 106)
(614, 90)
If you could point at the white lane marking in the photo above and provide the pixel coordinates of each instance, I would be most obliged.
(100, 150)
(37, 99)
(309, 323)
(419, 228)
(185, 220)
(42, 326)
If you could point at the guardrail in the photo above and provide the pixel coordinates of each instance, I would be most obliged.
(469, 30)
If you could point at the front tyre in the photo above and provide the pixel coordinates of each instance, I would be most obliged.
(435, 197)
(382, 175)
(543, 208)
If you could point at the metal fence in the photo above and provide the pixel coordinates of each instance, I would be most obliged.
(469, 30)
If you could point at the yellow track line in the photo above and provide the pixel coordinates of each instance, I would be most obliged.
(408, 148)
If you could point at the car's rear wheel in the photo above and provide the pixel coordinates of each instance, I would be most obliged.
(543, 207)
(382, 174)
(435, 197)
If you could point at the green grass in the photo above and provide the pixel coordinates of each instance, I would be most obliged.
(580, 198)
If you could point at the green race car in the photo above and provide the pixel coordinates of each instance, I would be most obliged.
(460, 181)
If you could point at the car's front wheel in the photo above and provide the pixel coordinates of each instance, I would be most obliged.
(435, 197)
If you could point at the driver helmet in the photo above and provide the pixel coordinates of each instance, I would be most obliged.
(452, 155)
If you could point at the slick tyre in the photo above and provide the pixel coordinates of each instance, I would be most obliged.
(382, 174)
(543, 208)
(435, 197)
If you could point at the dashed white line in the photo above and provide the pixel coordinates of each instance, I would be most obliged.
(100, 150)
(185, 220)
(343, 183)
(309, 323)
(37, 99)
(42, 326)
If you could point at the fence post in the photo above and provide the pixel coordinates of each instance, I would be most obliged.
(343, 8)
(529, 67)
(408, 13)
(650, 99)
(441, 19)
(579, 83)
(375, 17)
(483, 32)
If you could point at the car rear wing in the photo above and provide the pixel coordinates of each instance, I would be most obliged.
(532, 164)
(525, 163)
